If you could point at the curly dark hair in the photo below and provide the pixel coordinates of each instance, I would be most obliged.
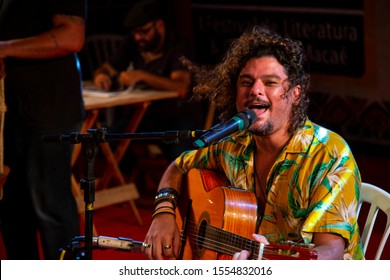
(219, 83)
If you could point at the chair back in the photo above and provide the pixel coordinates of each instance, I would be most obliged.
(378, 199)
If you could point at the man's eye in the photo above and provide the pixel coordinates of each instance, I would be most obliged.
(271, 83)
(246, 83)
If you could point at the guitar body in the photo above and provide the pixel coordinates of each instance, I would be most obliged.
(217, 221)
(206, 200)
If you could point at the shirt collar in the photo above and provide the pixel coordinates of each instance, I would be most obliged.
(302, 139)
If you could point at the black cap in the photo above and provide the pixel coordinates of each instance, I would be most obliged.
(143, 12)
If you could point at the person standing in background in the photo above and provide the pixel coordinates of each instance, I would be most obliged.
(38, 43)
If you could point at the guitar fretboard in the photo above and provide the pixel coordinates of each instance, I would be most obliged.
(218, 240)
(221, 241)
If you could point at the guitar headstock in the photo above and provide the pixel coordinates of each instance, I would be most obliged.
(289, 250)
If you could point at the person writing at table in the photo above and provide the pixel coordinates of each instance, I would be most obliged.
(304, 176)
(150, 58)
(150, 54)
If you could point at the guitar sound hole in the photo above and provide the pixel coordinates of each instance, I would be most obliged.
(201, 234)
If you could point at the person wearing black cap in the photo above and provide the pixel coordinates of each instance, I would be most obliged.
(150, 57)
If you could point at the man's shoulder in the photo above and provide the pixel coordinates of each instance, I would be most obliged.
(325, 135)
(330, 141)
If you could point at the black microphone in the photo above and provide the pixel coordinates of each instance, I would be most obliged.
(240, 121)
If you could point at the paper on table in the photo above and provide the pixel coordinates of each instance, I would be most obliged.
(97, 92)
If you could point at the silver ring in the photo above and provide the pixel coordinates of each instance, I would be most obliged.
(167, 246)
(146, 245)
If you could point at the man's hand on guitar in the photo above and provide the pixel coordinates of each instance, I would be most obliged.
(244, 255)
(163, 238)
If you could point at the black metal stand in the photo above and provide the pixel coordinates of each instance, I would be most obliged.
(90, 144)
(87, 184)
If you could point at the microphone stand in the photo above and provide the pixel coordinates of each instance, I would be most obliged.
(89, 145)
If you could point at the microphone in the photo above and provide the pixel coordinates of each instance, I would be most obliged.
(117, 243)
(239, 122)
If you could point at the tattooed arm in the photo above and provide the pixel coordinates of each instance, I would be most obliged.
(66, 36)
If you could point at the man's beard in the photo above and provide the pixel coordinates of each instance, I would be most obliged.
(261, 130)
(152, 45)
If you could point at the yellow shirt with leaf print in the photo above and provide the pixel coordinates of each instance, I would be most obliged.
(313, 186)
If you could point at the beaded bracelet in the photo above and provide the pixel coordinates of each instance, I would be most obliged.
(167, 194)
(168, 190)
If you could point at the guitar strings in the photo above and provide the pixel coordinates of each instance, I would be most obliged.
(205, 237)
(231, 243)
(208, 236)
(225, 248)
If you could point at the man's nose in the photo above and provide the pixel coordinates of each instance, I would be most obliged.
(257, 88)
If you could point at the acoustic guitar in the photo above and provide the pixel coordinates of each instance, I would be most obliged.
(217, 221)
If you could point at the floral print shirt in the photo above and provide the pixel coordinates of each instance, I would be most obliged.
(313, 186)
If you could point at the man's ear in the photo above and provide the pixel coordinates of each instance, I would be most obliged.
(296, 94)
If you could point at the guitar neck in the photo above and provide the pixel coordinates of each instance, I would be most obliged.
(228, 243)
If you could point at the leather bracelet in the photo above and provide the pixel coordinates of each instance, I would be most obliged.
(165, 206)
(170, 199)
(164, 211)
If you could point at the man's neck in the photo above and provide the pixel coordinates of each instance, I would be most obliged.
(271, 145)
(150, 56)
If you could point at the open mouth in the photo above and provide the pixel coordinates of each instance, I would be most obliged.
(259, 106)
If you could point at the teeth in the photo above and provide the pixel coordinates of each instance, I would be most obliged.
(259, 106)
